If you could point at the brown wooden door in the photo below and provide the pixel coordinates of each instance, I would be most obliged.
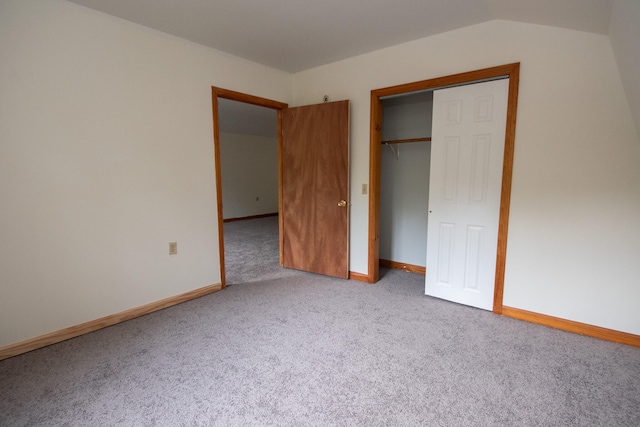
(315, 188)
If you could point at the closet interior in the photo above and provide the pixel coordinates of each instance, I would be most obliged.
(404, 180)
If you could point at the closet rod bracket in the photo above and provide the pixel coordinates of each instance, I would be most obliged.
(396, 154)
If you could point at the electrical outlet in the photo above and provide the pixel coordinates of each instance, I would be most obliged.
(173, 248)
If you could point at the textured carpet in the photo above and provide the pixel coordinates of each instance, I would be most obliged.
(251, 250)
(307, 350)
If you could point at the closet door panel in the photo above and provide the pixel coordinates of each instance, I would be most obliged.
(469, 125)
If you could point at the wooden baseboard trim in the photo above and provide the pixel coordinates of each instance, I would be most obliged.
(93, 325)
(359, 277)
(403, 266)
(242, 218)
(571, 326)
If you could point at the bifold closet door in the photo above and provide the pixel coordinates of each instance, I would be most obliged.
(467, 151)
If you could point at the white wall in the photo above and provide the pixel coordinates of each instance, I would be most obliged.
(407, 116)
(404, 198)
(249, 165)
(106, 155)
(404, 179)
(574, 236)
(624, 33)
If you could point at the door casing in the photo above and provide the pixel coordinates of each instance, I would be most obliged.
(217, 93)
(249, 99)
(509, 70)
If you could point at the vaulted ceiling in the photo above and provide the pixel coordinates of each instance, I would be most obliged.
(295, 35)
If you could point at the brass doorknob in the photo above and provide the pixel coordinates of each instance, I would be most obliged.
(342, 203)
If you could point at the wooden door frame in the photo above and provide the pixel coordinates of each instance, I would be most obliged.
(217, 93)
(509, 70)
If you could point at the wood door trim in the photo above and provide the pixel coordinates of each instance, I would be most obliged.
(358, 277)
(249, 99)
(103, 322)
(216, 93)
(411, 268)
(509, 70)
(572, 326)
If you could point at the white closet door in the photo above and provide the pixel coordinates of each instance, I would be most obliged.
(467, 152)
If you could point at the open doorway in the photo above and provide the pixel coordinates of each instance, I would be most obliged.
(512, 72)
(247, 143)
(249, 167)
(313, 147)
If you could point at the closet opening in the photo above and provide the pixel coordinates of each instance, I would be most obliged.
(388, 143)
(404, 180)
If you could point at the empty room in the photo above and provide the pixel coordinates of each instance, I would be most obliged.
(436, 224)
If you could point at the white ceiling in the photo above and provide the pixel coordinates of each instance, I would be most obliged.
(295, 35)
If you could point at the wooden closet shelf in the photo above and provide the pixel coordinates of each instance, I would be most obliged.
(400, 141)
